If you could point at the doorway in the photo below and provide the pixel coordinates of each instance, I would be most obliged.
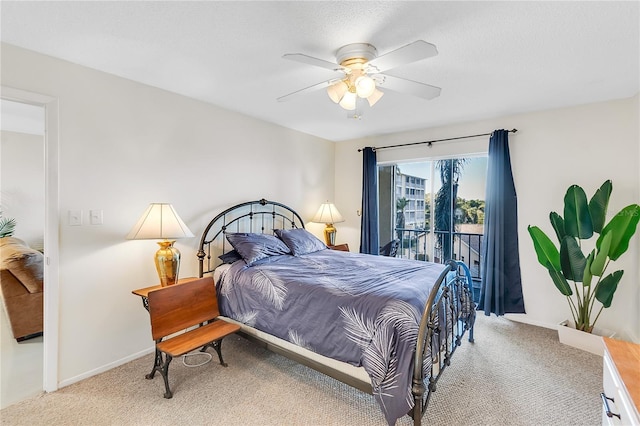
(22, 189)
(48, 107)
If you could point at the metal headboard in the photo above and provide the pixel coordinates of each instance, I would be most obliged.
(259, 216)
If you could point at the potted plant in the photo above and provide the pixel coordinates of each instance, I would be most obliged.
(588, 275)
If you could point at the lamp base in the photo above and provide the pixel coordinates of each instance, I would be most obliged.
(330, 234)
(167, 263)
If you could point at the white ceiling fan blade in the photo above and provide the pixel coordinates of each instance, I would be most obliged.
(312, 88)
(412, 52)
(310, 60)
(410, 87)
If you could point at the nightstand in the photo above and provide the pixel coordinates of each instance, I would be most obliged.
(621, 383)
(340, 247)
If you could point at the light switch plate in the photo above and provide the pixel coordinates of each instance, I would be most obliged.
(96, 217)
(75, 217)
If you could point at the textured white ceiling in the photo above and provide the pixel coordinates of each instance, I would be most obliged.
(495, 58)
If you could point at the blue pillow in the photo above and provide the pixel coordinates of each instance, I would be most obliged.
(300, 241)
(253, 247)
(230, 257)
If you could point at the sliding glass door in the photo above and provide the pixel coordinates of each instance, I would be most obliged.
(435, 209)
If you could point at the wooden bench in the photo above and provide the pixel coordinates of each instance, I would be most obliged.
(180, 307)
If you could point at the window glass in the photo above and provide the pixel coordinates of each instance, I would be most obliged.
(435, 208)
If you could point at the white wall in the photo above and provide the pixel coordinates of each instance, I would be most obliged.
(585, 145)
(123, 145)
(22, 185)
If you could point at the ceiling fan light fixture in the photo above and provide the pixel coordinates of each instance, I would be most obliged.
(336, 91)
(363, 71)
(375, 97)
(365, 86)
(348, 101)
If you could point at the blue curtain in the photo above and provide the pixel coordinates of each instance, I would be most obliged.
(369, 241)
(501, 290)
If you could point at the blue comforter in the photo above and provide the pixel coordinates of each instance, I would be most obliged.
(360, 309)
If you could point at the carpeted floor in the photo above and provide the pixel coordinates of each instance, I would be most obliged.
(514, 374)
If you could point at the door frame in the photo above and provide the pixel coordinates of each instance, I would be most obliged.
(51, 229)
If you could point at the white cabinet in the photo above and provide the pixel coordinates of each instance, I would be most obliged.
(621, 382)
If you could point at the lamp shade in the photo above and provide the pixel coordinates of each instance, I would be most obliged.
(348, 101)
(336, 91)
(159, 221)
(375, 97)
(365, 86)
(327, 213)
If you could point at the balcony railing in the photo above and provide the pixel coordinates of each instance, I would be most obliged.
(419, 244)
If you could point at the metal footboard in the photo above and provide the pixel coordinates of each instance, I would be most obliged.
(449, 313)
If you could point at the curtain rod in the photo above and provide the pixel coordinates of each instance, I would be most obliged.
(434, 141)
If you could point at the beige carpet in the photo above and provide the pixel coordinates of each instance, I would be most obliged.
(514, 374)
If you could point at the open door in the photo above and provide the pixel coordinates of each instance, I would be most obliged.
(50, 241)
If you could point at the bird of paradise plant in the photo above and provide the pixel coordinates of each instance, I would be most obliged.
(581, 221)
(7, 226)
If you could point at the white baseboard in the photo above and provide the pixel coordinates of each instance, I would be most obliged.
(105, 367)
(626, 335)
(631, 336)
(523, 318)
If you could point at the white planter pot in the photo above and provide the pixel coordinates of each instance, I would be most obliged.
(590, 342)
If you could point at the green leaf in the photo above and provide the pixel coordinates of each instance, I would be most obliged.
(599, 204)
(558, 225)
(560, 282)
(597, 267)
(587, 275)
(571, 259)
(577, 220)
(7, 226)
(547, 252)
(622, 226)
(607, 287)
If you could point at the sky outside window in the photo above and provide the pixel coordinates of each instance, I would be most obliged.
(472, 181)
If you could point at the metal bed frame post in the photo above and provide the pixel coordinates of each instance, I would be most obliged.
(454, 298)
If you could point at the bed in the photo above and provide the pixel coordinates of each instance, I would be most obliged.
(384, 325)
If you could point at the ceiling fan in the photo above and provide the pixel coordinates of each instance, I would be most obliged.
(362, 74)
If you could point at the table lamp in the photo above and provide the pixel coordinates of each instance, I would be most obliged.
(160, 221)
(329, 214)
